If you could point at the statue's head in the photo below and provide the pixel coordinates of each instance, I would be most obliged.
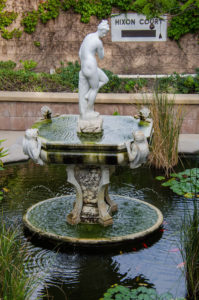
(103, 28)
(139, 136)
(31, 133)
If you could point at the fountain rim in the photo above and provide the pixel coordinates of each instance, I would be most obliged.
(93, 241)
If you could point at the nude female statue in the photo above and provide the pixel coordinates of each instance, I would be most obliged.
(91, 78)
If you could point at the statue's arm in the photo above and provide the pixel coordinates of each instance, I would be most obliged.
(100, 50)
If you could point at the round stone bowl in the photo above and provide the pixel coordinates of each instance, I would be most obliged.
(134, 221)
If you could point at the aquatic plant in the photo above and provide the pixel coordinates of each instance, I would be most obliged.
(2, 154)
(142, 293)
(14, 283)
(190, 251)
(184, 183)
(167, 122)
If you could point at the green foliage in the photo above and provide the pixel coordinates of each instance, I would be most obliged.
(28, 65)
(185, 183)
(66, 79)
(178, 84)
(185, 18)
(142, 293)
(70, 73)
(116, 113)
(184, 22)
(10, 34)
(49, 10)
(37, 44)
(153, 8)
(30, 21)
(21, 80)
(113, 85)
(6, 19)
(9, 65)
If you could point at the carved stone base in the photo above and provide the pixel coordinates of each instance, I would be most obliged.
(90, 125)
(93, 204)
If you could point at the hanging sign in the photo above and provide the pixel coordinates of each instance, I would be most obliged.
(132, 27)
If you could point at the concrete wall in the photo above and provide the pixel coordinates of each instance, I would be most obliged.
(19, 110)
(60, 40)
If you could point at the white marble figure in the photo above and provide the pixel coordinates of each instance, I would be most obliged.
(137, 150)
(46, 112)
(32, 145)
(91, 78)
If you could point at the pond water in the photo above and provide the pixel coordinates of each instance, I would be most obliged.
(87, 275)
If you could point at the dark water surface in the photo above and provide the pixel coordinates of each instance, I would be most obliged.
(84, 275)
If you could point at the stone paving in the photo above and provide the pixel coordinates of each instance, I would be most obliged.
(188, 144)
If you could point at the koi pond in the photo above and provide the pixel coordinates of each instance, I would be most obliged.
(86, 274)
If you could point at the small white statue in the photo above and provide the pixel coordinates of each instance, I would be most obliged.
(46, 112)
(32, 145)
(91, 78)
(137, 150)
(144, 114)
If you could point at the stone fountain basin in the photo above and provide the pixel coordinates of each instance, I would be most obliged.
(62, 144)
(134, 221)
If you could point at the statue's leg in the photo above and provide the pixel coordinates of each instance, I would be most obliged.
(83, 89)
(103, 79)
(92, 93)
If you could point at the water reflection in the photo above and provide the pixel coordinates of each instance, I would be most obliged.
(88, 275)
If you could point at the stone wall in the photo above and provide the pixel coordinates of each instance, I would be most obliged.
(60, 40)
(19, 110)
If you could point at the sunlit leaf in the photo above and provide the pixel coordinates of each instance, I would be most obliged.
(160, 178)
(188, 195)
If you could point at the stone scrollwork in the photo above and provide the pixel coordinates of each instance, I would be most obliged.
(93, 204)
(137, 150)
(32, 145)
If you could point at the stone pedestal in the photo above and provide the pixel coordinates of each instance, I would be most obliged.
(92, 125)
(93, 204)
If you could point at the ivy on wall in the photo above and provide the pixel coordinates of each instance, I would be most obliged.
(184, 14)
(6, 19)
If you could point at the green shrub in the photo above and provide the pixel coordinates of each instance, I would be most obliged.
(113, 85)
(70, 73)
(9, 65)
(28, 65)
(176, 83)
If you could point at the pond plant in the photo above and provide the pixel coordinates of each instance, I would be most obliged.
(190, 251)
(14, 283)
(186, 184)
(143, 293)
(167, 122)
(2, 154)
